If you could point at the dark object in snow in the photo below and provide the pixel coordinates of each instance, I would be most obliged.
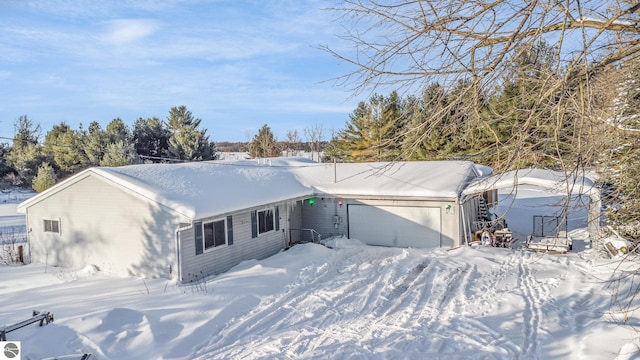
(43, 318)
(611, 249)
(549, 235)
(493, 233)
(503, 238)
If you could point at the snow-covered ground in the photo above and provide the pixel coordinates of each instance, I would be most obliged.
(348, 302)
(13, 229)
(352, 302)
(8, 203)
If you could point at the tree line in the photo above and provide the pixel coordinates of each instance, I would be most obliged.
(31, 161)
(28, 162)
(502, 126)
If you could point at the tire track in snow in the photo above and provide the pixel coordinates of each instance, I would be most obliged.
(438, 306)
(388, 294)
(272, 321)
(507, 267)
(484, 336)
(457, 306)
(532, 316)
(402, 292)
(455, 298)
(446, 313)
(437, 303)
(415, 295)
(490, 289)
(394, 318)
(358, 304)
(379, 307)
(264, 315)
(496, 280)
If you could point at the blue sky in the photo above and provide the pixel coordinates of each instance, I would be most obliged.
(237, 65)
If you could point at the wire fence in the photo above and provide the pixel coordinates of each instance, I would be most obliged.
(13, 244)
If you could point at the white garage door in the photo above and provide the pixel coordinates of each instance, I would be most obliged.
(404, 226)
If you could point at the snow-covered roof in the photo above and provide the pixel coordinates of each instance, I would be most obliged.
(550, 180)
(425, 179)
(203, 189)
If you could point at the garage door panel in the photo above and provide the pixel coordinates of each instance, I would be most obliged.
(404, 226)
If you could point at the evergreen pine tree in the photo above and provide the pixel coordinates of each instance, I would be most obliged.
(117, 131)
(118, 154)
(373, 131)
(354, 140)
(5, 167)
(94, 143)
(151, 139)
(421, 142)
(45, 179)
(187, 141)
(26, 154)
(64, 146)
(264, 144)
(26, 132)
(523, 131)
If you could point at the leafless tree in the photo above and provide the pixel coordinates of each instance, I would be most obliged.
(409, 44)
(314, 135)
(293, 141)
(405, 42)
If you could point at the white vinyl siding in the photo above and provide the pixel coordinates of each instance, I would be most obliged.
(221, 259)
(106, 226)
(322, 214)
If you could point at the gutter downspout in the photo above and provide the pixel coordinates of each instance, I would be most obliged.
(28, 230)
(463, 215)
(178, 244)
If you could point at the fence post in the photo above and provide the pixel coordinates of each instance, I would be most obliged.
(21, 254)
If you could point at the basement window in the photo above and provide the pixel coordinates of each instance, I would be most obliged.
(52, 226)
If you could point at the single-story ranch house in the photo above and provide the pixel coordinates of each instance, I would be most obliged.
(191, 220)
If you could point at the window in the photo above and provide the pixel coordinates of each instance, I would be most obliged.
(52, 226)
(215, 234)
(212, 234)
(265, 221)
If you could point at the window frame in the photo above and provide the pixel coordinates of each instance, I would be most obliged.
(50, 222)
(260, 219)
(206, 248)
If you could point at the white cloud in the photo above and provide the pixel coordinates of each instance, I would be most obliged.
(252, 61)
(125, 31)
